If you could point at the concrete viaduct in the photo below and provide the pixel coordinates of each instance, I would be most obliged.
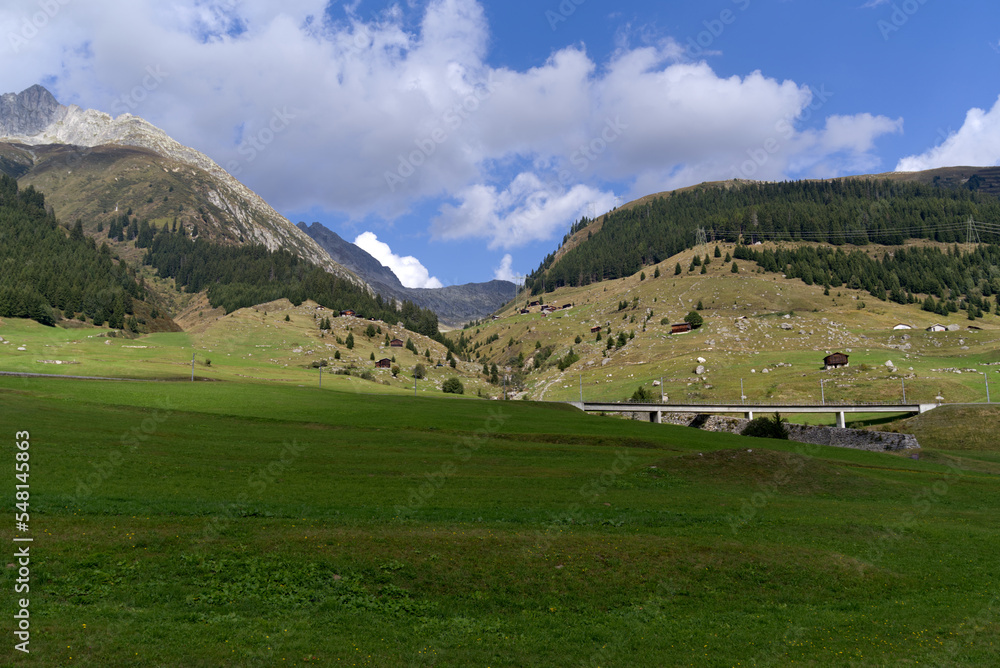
(656, 411)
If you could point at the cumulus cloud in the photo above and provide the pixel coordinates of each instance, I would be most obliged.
(410, 272)
(976, 144)
(371, 116)
(505, 271)
(527, 210)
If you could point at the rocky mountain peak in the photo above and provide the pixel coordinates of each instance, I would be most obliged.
(29, 112)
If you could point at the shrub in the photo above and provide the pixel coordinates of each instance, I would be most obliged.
(766, 427)
(641, 396)
(419, 372)
(453, 386)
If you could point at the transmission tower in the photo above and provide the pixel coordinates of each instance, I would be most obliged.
(973, 234)
(700, 239)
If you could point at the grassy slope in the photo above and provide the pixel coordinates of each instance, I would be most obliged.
(831, 323)
(561, 539)
(254, 344)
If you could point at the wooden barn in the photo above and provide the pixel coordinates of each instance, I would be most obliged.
(595, 329)
(835, 361)
(680, 328)
(384, 363)
(396, 343)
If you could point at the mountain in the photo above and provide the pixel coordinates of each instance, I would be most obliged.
(94, 167)
(455, 305)
(884, 209)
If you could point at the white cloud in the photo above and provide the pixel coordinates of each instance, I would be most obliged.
(505, 271)
(976, 144)
(383, 116)
(527, 210)
(408, 269)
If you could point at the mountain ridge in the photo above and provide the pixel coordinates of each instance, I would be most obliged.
(455, 305)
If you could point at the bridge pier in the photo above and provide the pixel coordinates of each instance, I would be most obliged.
(749, 415)
(656, 417)
(841, 421)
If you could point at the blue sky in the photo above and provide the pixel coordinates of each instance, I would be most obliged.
(460, 139)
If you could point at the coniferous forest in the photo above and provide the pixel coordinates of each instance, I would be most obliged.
(43, 268)
(855, 211)
(240, 276)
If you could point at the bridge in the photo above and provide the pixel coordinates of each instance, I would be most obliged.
(656, 411)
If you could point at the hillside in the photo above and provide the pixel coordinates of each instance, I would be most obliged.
(766, 330)
(455, 305)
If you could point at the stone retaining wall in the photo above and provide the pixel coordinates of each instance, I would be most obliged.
(859, 439)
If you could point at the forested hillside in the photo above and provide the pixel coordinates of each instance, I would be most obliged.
(856, 211)
(47, 272)
(241, 276)
(952, 280)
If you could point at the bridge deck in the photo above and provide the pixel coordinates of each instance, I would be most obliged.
(656, 410)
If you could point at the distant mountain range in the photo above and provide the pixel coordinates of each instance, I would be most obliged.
(454, 304)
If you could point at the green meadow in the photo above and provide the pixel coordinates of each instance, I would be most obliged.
(235, 523)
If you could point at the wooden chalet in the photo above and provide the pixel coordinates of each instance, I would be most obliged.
(396, 343)
(681, 328)
(595, 329)
(384, 363)
(835, 361)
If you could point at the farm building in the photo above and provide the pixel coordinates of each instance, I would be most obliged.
(835, 361)
(937, 328)
(903, 325)
(525, 311)
(680, 328)
(534, 304)
(594, 330)
(396, 343)
(347, 312)
(384, 363)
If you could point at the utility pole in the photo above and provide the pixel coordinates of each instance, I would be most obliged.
(822, 393)
(743, 397)
(192, 366)
(903, 381)
(581, 388)
(661, 389)
(986, 378)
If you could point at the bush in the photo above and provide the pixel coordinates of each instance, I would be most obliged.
(453, 386)
(694, 319)
(765, 427)
(642, 396)
(419, 372)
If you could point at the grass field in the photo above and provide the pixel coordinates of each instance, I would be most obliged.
(237, 523)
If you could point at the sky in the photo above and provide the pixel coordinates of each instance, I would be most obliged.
(458, 140)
